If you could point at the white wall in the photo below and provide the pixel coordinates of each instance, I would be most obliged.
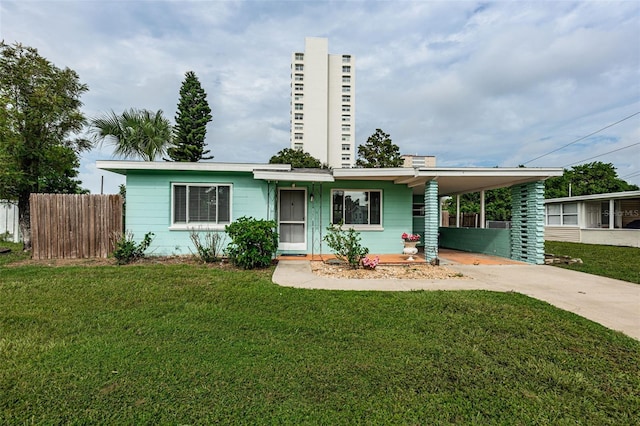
(612, 237)
(9, 221)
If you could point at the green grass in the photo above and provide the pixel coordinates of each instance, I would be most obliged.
(16, 253)
(621, 263)
(184, 344)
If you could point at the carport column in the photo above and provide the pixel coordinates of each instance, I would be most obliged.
(482, 210)
(527, 222)
(612, 214)
(431, 216)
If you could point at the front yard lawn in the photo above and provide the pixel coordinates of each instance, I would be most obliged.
(185, 344)
(621, 263)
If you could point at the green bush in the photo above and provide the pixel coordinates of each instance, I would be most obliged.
(209, 249)
(127, 250)
(253, 242)
(346, 244)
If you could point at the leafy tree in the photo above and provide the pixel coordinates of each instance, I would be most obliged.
(134, 133)
(379, 152)
(39, 115)
(497, 204)
(191, 122)
(587, 179)
(297, 158)
(62, 170)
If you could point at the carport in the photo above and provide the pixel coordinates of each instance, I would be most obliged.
(523, 242)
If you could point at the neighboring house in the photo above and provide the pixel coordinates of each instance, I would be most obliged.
(171, 198)
(9, 228)
(612, 219)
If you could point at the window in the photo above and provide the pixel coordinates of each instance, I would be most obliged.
(346, 68)
(346, 118)
(298, 107)
(299, 77)
(562, 214)
(356, 207)
(418, 209)
(346, 138)
(299, 67)
(298, 87)
(298, 127)
(346, 127)
(299, 56)
(346, 98)
(298, 97)
(298, 136)
(346, 157)
(346, 165)
(346, 89)
(346, 59)
(346, 79)
(298, 116)
(346, 108)
(297, 146)
(201, 204)
(346, 147)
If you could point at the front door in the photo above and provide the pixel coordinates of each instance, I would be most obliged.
(292, 213)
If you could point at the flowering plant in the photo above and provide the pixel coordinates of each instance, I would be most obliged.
(410, 238)
(370, 262)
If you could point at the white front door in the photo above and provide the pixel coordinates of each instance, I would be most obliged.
(292, 214)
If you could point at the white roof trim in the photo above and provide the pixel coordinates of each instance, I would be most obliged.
(490, 171)
(122, 166)
(284, 176)
(607, 196)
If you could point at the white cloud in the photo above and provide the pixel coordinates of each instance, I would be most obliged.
(491, 83)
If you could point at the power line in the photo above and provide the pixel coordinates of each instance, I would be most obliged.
(583, 137)
(631, 175)
(600, 155)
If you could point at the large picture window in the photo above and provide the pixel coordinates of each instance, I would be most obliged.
(357, 207)
(201, 204)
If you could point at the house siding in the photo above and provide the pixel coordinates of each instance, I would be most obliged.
(148, 205)
(148, 209)
(396, 215)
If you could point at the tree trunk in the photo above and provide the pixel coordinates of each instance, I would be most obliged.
(24, 220)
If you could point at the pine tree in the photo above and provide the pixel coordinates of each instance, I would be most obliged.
(192, 117)
(379, 152)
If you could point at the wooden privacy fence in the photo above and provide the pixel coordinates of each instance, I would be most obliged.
(74, 226)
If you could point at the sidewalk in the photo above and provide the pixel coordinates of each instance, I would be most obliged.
(612, 303)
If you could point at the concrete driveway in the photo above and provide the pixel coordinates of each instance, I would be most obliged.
(612, 303)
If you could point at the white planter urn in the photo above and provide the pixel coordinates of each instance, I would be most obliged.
(410, 249)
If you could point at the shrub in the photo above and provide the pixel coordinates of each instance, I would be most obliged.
(253, 242)
(128, 251)
(209, 249)
(346, 244)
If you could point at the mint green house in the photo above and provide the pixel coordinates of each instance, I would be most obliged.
(173, 199)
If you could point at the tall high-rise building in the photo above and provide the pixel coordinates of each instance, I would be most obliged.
(323, 104)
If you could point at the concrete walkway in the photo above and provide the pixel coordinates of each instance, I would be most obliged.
(612, 303)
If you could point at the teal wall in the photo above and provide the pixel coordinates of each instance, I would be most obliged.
(496, 242)
(396, 215)
(148, 209)
(148, 206)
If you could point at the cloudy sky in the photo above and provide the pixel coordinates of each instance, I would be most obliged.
(473, 83)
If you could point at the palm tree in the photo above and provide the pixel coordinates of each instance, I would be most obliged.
(135, 133)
